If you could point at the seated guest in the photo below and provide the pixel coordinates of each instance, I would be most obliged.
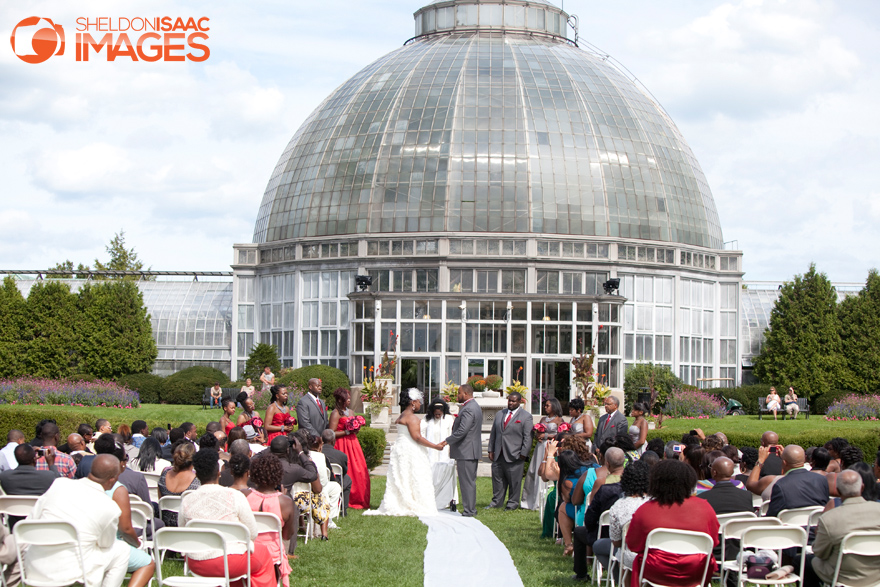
(330, 489)
(75, 445)
(625, 443)
(64, 464)
(725, 497)
(732, 453)
(239, 468)
(96, 518)
(149, 459)
(657, 446)
(634, 486)
(138, 433)
(298, 467)
(797, 488)
(772, 465)
(605, 497)
(819, 461)
(855, 514)
(190, 432)
(140, 563)
(239, 447)
(87, 434)
(650, 457)
(7, 459)
(266, 473)
(693, 455)
(38, 432)
(180, 477)
(869, 485)
(25, 479)
(125, 432)
(300, 490)
(235, 433)
(671, 506)
(102, 426)
(335, 455)
(222, 504)
(673, 450)
(747, 463)
(708, 483)
(571, 469)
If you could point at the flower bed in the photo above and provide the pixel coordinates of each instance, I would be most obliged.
(854, 407)
(693, 404)
(60, 392)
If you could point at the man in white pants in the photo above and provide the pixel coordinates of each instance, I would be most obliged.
(83, 503)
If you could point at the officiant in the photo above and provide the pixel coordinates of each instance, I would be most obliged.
(437, 426)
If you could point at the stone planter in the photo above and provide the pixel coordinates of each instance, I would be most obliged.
(382, 419)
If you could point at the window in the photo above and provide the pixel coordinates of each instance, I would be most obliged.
(405, 280)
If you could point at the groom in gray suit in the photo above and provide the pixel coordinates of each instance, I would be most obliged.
(465, 447)
(311, 412)
(509, 445)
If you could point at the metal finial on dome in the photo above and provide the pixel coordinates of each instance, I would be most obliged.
(522, 16)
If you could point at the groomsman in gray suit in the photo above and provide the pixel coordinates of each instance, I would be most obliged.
(465, 448)
(311, 411)
(509, 444)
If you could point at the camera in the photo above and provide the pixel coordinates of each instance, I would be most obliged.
(773, 450)
(39, 452)
(677, 448)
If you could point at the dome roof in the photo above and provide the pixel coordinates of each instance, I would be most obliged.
(482, 129)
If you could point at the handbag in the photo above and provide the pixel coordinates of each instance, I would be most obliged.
(758, 567)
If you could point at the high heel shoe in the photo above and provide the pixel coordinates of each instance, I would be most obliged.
(328, 538)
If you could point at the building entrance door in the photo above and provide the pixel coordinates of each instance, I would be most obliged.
(423, 373)
(551, 378)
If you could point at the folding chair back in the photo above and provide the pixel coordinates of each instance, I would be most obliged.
(857, 544)
(152, 478)
(29, 533)
(798, 516)
(337, 471)
(268, 522)
(170, 503)
(736, 516)
(814, 518)
(232, 532)
(774, 538)
(189, 541)
(18, 505)
(140, 520)
(604, 522)
(732, 530)
(765, 505)
(683, 542)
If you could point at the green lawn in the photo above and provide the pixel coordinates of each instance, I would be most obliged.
(751, 424)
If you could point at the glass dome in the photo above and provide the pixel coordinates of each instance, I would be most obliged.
(489, 130)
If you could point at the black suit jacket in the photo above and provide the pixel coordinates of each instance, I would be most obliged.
(798, 489)
(26, 480)
(605, 497)
(726, 498)
(772, 466)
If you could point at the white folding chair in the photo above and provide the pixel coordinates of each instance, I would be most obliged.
(337, 472)
(735, 516)
(139, 520)
(621, 563)
(132, 497)
(189, 541)
(765, 505)
(309, 525)
(732, 530)
(170, 503)
(775, 539)
(857, 544)
(604, 522)
(799, 516)
(187, 492)
(233, 532)
(17, 505)
(757, 500)
(30, 533)
(270, 523)
(146, 510)
(677, 542)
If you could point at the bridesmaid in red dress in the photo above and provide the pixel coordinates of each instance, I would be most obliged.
(347, 442)
(278, 418)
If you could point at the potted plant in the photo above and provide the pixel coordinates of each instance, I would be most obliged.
(375, 397)
(449, 393)
(478, 382)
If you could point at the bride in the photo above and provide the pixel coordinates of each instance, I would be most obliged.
(409, 486)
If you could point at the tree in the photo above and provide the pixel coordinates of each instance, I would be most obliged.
(12, 323)
(121, 259)
(82, 271)
(802, 346)
(115, 336)
(640, 378)
(860, 336)
(262, 355)
(50, 333)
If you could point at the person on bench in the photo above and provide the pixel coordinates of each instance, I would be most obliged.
(791, 403)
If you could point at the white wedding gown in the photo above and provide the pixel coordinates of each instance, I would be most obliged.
(409, 485)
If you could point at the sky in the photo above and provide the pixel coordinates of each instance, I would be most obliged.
(777, 100)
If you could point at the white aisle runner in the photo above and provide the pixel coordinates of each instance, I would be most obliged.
(462, 552)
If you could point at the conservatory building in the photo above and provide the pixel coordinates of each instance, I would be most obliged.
(494, 180)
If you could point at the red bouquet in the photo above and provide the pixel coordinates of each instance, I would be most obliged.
(564, 427)
(289, 420)
(354, 423)
(539, 427)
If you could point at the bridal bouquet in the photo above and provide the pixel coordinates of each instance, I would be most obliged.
(354, 424)
(564, 427)
(539, 427)
(289, 420)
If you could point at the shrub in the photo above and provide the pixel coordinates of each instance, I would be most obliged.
(262, 355)
(494, 382)
(855, 407)
(148, 386)
(820, 404)
(478, 382)
(331, 379)
(26, 418)
(373, 444)
(639, 377)
(693, 404)
(61, 392)
(187, 387)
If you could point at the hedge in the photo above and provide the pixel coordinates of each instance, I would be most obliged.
(26, 418)
(188, 386)
(331, 378)
(747, 395)
(867, 440)
(150, 387)
(373, 444)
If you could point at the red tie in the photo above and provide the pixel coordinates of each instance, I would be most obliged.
(608, 419)
(509, 416)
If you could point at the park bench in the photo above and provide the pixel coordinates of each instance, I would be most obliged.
(803, 405)
(227, 392)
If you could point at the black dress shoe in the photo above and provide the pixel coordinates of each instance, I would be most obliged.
(510, 509)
